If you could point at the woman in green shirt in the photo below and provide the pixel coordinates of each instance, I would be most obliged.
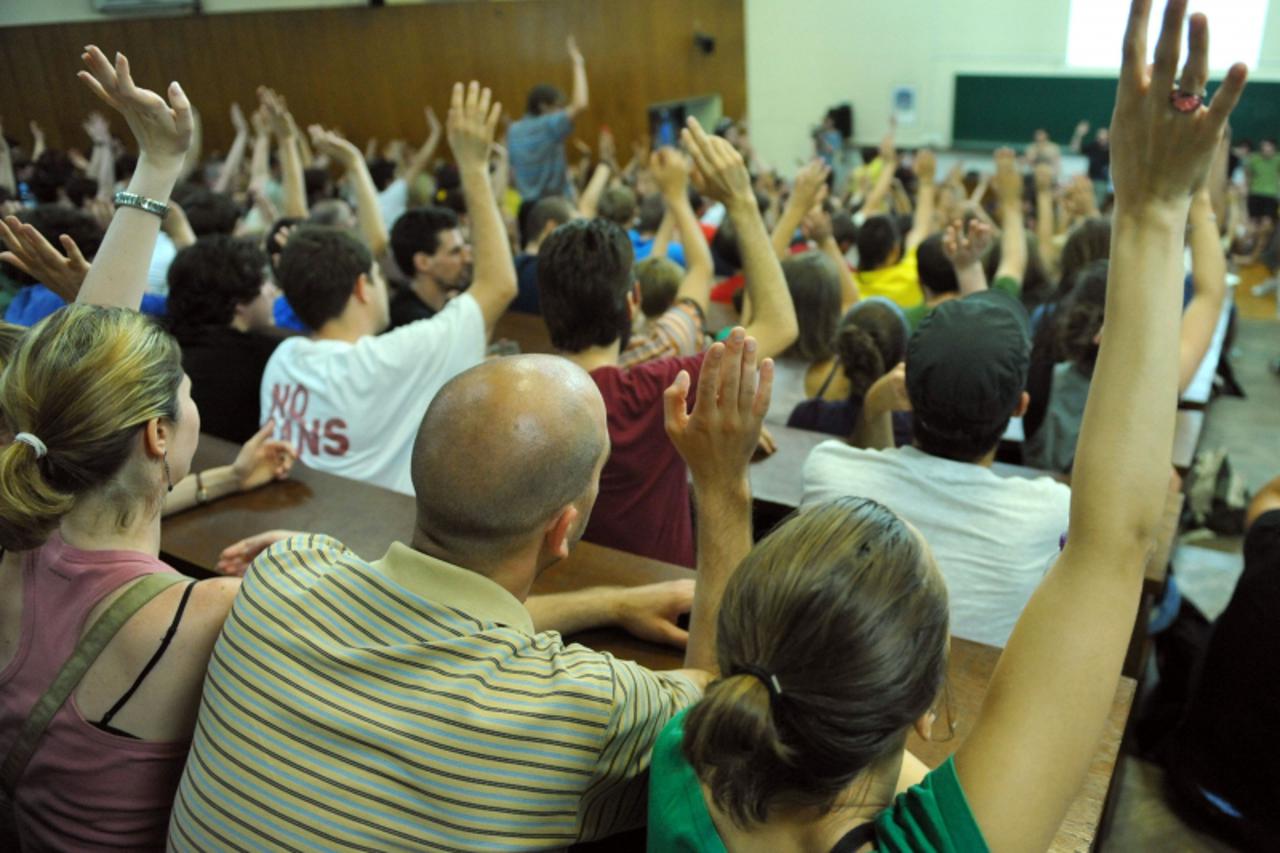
(831, 639)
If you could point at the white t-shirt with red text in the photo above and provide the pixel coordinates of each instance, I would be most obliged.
(354, 409)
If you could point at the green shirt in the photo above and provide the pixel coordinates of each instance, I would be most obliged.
(931, 816)
(1005, 284)
(1264, 175)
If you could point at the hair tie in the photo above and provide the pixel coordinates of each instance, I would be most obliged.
(34, 443)
(767, 678)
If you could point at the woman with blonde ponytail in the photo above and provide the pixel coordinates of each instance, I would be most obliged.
(831, 640)
(97, 426)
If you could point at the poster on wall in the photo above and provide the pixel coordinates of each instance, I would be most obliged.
(904, 105)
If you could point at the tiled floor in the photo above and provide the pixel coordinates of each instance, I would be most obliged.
(1250, 430)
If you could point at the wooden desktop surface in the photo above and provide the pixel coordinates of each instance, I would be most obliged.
(368, 518)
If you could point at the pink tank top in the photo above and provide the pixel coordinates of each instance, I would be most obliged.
(84, 788)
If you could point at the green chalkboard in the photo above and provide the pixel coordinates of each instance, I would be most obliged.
(992, 110)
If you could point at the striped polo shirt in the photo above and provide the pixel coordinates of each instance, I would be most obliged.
(409, 704)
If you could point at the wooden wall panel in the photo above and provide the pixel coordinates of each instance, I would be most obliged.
(371, 71)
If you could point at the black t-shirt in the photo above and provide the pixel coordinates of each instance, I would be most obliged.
(1099, 160)
(1227, 743)
(407, 307)
(225, 366)
(526, 301)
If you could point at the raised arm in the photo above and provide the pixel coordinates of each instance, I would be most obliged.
(926, 169)
(421, 158)
(1077, 137)
(671, 171)
(1046, 213)
(817, 227)
(348, 157)
(878, 197)
(1013, 228)
(118, 275)
(471, 125)
(717, 440)
(235, 157)
(292, 179)
(589, 201)
(721, 175)
(580, 98)
(102, 163)
(260, 160)
(1048, 700)
(964, 246)
(1208, 288)
(7, 180)
(811, 178)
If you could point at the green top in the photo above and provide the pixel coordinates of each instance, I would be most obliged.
(1005, 284)
(1264, 175)
(931, 816)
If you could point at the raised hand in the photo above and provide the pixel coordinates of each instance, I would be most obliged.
(1008, 180)
(719, 171)
(30, 252)
(1159, 153)
(925, 166)
(238, 120)
(261, 122)
(163, 130)
(471, 124)
(263, 459)
(235, 559)
(649, 612)
(719, 436)
(574, 54)
(334, 145)
(272, 105)
(1045, 178)
(965, 245)
(889, 392)
(810, 181)
(670, 170)
(434, 128)
(95, 125)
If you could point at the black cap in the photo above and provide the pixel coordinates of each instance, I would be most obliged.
(967, 363)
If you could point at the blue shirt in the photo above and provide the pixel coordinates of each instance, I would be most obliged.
(536, 148)
(34, 303)
(643, 248)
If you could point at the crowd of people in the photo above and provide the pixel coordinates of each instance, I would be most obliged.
(312, 697)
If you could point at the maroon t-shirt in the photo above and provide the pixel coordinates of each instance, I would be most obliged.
(643, 507)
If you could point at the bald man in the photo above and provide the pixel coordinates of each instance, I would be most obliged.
(416, 700)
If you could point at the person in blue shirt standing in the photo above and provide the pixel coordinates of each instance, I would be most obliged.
(536, 142)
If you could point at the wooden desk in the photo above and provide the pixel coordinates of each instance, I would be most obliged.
(528, 330)
(368, 518)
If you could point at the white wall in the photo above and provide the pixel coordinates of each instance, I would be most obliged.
(803, 56)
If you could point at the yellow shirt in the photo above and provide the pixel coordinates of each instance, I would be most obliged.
(899, 283)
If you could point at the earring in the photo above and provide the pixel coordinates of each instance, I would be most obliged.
(168, 478)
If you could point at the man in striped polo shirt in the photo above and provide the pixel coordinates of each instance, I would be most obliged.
(414, 701)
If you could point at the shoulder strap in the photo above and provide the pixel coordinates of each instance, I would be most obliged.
(86, 652)
(827, 382)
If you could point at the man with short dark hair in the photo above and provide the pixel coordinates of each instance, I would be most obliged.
(220, 310)
(535, 143)
(348, 397)
(430, 250)
(994, 537)
(545, 216)
(589, 300)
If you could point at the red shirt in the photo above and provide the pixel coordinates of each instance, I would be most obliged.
(643, 507)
